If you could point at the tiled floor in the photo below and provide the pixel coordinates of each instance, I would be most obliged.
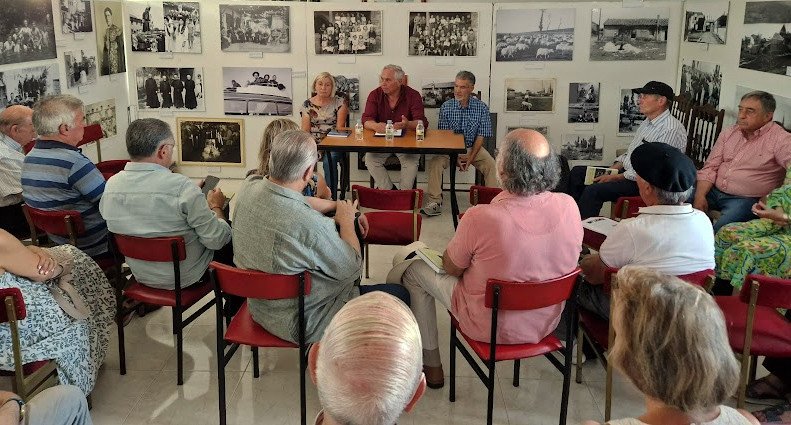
(148, 393)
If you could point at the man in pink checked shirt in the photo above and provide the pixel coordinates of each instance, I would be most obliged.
(748, 161)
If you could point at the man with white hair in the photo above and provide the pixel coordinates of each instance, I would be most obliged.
(16, 131)
(367, 366)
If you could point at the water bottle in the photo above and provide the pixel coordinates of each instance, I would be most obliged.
(420, 132)
(358, 131)
(389, 131)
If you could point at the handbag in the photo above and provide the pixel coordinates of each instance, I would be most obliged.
(65, 294)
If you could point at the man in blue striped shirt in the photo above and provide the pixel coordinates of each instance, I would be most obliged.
(57, 176)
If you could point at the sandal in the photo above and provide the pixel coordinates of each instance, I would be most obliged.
(765, 391)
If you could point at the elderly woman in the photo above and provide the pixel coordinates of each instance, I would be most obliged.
(672, 344)
(322, 113)
(50, 331)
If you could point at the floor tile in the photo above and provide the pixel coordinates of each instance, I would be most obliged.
(538, 402)
(469, 407)
(115, 395)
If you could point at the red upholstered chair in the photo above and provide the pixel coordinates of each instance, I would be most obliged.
(755, 327)
(30, 378)
(111, 167)
(394, 225)
(600, 333)
(626, 207)
(168, 249)
(243, 330)
(482, 195)
(512, 296)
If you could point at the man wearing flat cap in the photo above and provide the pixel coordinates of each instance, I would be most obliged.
(659, 127)
(668, 236)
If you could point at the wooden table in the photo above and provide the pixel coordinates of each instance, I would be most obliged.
(437, 142)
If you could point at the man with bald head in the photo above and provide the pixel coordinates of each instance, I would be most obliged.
(16, 131)
(531, 234)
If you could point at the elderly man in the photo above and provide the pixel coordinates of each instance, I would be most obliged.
(367, 366)
(276, 230)
(393, 100)
(16, 131)
(748, 161)
(659, 126)
(525, 218)
(466, 115)
(57, 176)
(147, 200)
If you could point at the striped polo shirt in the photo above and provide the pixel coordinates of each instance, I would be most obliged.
(57, 176)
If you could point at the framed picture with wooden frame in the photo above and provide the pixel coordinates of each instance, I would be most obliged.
(210, 141)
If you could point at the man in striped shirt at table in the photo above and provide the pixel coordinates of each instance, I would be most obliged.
(57, 176)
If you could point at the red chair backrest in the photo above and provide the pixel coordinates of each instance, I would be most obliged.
(92, 133)
(54, 222)
(483, 194)
(531, 295)
(150, 249)
(113, 166)
(388, 200)
(19, 304)
(773, 292)
(257, 284)
(29, 147)
(696, 278)
(633, 205)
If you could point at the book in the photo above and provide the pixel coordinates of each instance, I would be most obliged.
(396, 133)
(593, 172)
(432, 258)
(338, 133)
(601, 225)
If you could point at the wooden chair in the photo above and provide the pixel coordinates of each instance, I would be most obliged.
(682, 109)
(704, 128)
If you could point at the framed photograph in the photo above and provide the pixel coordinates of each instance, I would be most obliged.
(782, 114)
(255, 28)
(629, 34)
(102, 113)
(586, 147)
(170, 88)
(436, 91)
(544, 130)
(109, 38)
(706, 22)
(534, 35)
(347, 32)
(443, 33)
(257, 91)
(629, 115)
(25, 86)
(210, 141)
(584, 102)
(27, 32)
(165, 27)
(765, 44)
(348, 86)
(80, 68)
(529, 95)
(702, 81)
(75, 16)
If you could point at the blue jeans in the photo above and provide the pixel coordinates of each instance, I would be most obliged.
(331, 161)
(595, 195)
(393, 289)
(734, 208)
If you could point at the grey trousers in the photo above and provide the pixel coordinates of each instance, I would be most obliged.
(375, 162)
(59, 405)
(591, 298)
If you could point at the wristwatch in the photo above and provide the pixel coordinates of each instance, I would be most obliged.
(22, 407)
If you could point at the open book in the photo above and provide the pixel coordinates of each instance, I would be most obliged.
(396, 133)
(432, 258)
(593, 172)
(601, 225)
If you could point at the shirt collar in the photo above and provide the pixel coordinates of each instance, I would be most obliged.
(11, 143)
(282, 191)
(666, 209)
(145, 166)
(319, 418)
(55, 144)
(763, 130)
(506, 195)
(659, 118)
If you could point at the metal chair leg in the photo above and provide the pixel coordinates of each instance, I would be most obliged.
(302, 389)
(121, 343)
(453, 340)
(367, 257)
(178, 331)
(744, 377)
(256, 369)
(220, 364)
(564, 400)
(516, 372)
(490, 399)
(580, 340)
(608, 393)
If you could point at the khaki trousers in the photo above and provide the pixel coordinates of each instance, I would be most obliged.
(483, 162)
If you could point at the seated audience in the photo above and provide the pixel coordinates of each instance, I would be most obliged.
(393, 100)
(322, 113)
(50, 331)
(56, 175)
(491, 242)
(275, 230)
(16, 131)
(747, 162)
(367, 366)
(58, 405)
(672, 344)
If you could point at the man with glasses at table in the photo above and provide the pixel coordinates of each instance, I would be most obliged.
(467, 115)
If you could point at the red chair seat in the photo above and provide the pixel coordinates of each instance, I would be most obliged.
(27, 369)
(166, 297)
(510, 351)
(596, 328)
(771, 331)
(246, 331)
(105, 263)
(390, 228)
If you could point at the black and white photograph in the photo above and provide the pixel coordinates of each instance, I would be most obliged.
(534, 35)
(80, 68)
(701, 81)
(443, 33)
(544, 130)
(782, 114)
(706, 22)
(75, 16)
(165, 27)
(348, 86)
(347, 32)
(170, 88)
(27, 32)
(25, 86)
(436, 91)
(210, 141)
(583, 102)
(102, 113)
(257, 91)
(109, 38)
(529, 95)
(766, 43)
(629, 115)
(255, 28)
(582, 147)
(146, 25)
(629, 34)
